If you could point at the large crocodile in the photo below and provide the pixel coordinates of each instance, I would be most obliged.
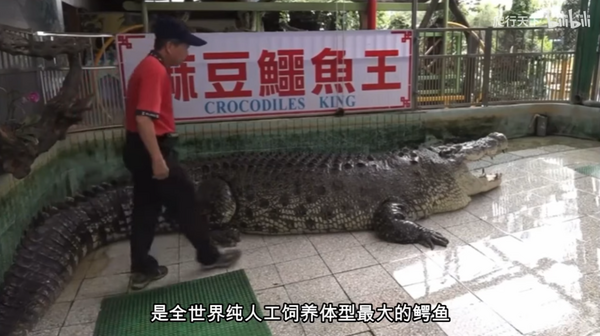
(285, 193)
(260, 193)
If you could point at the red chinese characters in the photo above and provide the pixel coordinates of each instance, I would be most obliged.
(282, 72)
(381, 69)
(332, 70)
(216, 78)
(182, 80)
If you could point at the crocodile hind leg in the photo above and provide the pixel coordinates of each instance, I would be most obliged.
(219, 234)
(391, 225)
(216, 197)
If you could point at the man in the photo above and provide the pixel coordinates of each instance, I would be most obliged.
(158, 178)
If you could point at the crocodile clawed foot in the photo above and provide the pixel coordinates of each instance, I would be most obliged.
(430, 238)
(391, 224)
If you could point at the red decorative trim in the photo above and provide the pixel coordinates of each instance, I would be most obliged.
(123, 41)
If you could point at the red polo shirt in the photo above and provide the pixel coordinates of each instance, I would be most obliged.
(149, 94)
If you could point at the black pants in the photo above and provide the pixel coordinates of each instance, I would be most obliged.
(177, 193)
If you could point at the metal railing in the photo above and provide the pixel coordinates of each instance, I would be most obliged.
(497, 66)
(480, 67)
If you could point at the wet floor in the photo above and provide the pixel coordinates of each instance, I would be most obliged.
(523, 260)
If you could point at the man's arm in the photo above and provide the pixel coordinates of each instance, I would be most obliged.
(148, 110)
(148, 134)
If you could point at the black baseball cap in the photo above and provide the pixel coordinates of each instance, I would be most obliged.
(171, 28)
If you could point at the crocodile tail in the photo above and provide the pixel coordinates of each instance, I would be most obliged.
(50, 251)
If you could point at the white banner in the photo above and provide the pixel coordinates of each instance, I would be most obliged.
(282, 74)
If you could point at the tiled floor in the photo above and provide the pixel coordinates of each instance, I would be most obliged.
(523, 260)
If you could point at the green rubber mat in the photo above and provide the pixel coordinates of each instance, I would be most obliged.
(593, 170)
(221, 305)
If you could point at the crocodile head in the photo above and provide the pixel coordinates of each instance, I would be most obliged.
(491, 145)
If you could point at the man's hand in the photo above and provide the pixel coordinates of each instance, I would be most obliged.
(160, 169)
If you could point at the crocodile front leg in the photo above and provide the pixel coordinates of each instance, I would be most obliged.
(390, 223)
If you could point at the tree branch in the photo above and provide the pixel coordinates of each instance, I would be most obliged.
(21, 143)
(433, 5)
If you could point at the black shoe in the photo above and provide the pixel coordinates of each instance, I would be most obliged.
(141, 280)
(225, 260)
